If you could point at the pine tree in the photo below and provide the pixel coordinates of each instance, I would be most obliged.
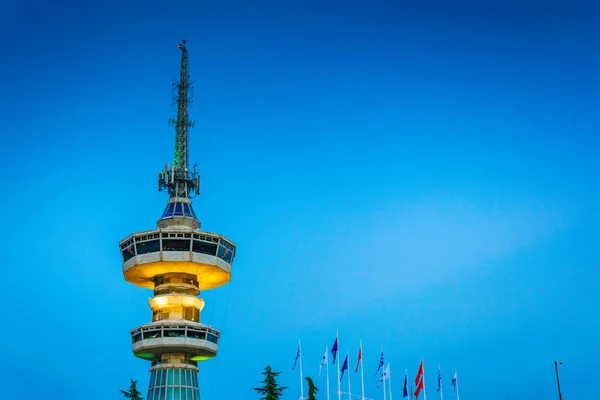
(312, 389)
(270, 390)
(133, 393)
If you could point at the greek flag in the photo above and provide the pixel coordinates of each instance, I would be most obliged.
(296, 360)
(323, 361)
(454, 379)
(380, 362)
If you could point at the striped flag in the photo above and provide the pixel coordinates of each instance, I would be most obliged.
(419, 380)
(380, 362)
(454, 380)
(359, 359)
(296, 360)
(385, 374)
(323, 361)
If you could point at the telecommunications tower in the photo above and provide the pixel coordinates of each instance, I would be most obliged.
(177, 260)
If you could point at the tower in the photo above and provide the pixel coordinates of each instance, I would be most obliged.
(177, 261)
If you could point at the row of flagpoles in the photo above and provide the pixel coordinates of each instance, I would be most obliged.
(385, 375)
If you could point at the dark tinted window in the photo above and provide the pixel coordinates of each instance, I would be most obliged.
(212, 338)
(148, 247)
(174, 333)
(128, 253)
(225, 254)
(176, 244)
(204, 248)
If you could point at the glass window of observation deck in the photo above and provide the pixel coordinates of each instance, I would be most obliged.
(174, 332)
(196, 335)
(225, 254)
(176, 245)
(212, 338)
(204, 247)
(148, 247)
(128, 253)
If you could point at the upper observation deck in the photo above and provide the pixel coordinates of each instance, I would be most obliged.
(177, 249)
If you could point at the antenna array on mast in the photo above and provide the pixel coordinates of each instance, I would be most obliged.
(177, 179)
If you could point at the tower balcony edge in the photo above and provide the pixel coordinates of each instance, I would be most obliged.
(199, 342)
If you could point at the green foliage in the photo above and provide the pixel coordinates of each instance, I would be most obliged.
(133, 393)
(312, 389)
(270, 390)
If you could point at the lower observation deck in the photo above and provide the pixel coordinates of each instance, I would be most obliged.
(198, 341)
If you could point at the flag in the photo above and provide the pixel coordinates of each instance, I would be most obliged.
(385, 374)
(405, 392)
(419, 387)
(323, 361)
(296, 360)
(454, 379)
(419, 373)
(334, 350)
(380, 362)
(344, 367)
(439, 379)
(419, 381)
(359, 359)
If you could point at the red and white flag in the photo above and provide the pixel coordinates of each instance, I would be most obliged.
(359, 359)
(419, 380)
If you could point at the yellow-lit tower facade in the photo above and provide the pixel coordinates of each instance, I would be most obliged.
(177, 261)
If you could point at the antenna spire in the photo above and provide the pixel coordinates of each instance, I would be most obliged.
(177, 179)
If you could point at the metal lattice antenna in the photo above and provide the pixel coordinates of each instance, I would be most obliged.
(177, 179)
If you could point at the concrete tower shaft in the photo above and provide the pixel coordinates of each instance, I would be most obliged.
(177, 261)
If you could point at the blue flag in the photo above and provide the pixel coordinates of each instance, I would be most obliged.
(296, 360)
(334, 350)
(380, 363)
(439, 379)
(405, 393)
(344, 367)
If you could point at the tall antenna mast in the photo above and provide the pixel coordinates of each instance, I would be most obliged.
(177, 179)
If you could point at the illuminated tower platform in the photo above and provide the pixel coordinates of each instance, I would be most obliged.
(177, 261)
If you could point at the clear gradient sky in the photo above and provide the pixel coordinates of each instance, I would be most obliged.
(422, 175)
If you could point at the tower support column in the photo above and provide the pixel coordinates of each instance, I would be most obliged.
(173, 381)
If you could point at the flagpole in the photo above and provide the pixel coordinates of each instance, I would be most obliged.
(383, 378)
(349, 390)
(424, 390)
(327, 369)
(406, 384)
(441, 386)
(389, 376)
(362, 374)
(457, 396)
(301, 381)
(337, 338)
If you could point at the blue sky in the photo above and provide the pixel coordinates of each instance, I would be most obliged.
(421, 175)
